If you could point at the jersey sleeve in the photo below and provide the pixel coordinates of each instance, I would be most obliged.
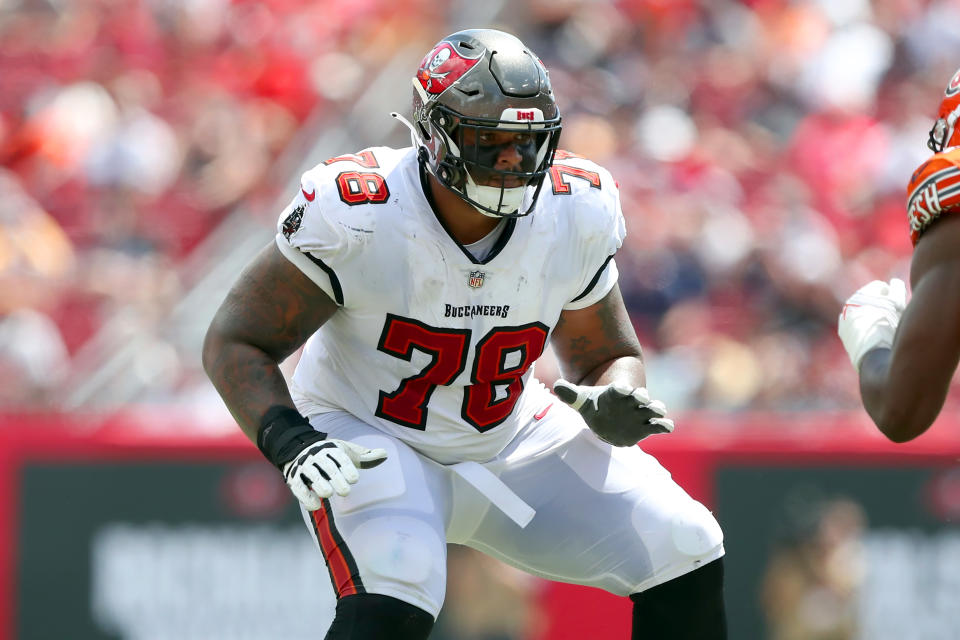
(601, 227)
(934, 189)
(317, 234)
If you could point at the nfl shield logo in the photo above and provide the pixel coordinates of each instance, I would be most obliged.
(476, 279)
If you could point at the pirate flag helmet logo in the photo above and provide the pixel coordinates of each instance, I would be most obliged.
(443, 66)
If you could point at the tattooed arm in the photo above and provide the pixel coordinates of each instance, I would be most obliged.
(268, 314)
(597, 345)
(598, 349)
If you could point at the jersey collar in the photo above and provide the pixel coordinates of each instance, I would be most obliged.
(511, 223)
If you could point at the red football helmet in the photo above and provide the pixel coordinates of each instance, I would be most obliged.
(945, 133)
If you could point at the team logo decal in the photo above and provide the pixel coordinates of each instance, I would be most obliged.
(292, 221)
(442, 67)
(475, 281)
(954, 87)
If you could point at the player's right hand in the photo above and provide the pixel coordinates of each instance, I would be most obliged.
(313, 465)
(870, 317)
(327, 466)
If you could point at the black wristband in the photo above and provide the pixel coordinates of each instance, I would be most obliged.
(283, 434)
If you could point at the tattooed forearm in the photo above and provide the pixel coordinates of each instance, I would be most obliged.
(249, 381)
(598, 344)
(271, 310)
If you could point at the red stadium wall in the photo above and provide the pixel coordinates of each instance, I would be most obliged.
(725, 461)
(812, 449)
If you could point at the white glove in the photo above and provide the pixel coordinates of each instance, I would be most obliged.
(617, 413)
(870, 317)
(326, 466)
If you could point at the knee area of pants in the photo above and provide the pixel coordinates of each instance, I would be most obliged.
(399, 549)
(695, 532)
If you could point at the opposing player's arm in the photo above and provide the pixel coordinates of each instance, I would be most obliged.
(597, 344)
(904, 388)
(268, 314)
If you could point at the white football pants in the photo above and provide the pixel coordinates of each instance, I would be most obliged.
(557, 502)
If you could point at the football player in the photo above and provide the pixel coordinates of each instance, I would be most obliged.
(426, 281)
(907, 354)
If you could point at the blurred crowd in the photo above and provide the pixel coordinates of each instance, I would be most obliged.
(815, 571)
(762, 148)
(129, 130)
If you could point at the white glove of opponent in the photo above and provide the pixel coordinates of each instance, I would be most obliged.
(328, 466)
(870, 316)
(619, 414)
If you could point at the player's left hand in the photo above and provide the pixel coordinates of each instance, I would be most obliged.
(870, 317)
(617, 413)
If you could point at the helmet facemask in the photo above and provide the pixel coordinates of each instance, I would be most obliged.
(944, 133)
(940, 134)
(470, 148)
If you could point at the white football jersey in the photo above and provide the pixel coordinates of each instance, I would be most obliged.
(430, 344)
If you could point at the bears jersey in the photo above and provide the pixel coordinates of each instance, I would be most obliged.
(431, 344)
(934, 189)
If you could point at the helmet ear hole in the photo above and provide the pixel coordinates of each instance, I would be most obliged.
(450, 176)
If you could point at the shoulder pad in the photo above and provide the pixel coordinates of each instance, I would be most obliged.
(590, 194)
(352, 179)
(327, 217)
(571, 172)
(934, 189)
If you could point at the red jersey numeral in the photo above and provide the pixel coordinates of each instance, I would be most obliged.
(501, 359)
(448, 351)
(503, 356)
(362, 188)
(560, 185)
(365, 159)
(562, 154)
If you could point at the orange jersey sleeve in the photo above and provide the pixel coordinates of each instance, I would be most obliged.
(934, 189)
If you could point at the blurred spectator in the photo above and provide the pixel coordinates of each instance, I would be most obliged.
(33, 358)
(762, 149)
(811, 586)
(36, 262)
(486, 599)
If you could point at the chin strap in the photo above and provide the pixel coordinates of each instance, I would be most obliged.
(414, 138)
(422, 153)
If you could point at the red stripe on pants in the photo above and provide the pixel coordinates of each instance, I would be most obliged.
(333, 554)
